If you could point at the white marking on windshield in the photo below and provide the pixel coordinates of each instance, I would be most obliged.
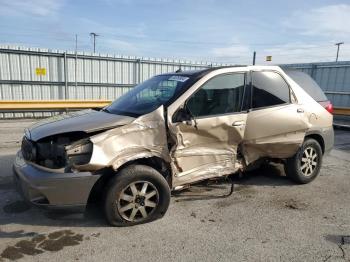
(179, 78)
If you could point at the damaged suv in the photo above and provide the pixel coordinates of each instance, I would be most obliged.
(168, 132)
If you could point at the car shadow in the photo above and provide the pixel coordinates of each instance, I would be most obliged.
(35, 216)
(14, 210)
(223, 187)
(267, 175)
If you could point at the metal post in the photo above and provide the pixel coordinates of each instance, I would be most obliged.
(94, 35)
(254, 56)
(139, 71)
(338, 44)
(65, 76)
(313, 69)
(76, 61)
(135, 72)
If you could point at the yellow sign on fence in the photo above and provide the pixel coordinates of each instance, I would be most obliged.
(268, 58)
(40, 71)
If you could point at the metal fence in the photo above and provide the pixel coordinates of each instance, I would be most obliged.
(332, 77)
(41, 74)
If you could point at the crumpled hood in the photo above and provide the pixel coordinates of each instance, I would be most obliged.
(86, 120)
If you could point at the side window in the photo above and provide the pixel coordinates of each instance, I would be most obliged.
(269, 89)
(220, 95)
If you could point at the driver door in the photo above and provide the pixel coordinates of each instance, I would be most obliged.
(207, 129)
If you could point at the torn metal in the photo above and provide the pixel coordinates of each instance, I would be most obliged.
(142, 138)
(206, 150)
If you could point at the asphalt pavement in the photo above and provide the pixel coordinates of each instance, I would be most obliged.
(267, 218)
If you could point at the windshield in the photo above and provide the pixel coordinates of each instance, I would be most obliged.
(148, 96)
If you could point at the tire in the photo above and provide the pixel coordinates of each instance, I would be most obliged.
(305, 165)
(137, 194)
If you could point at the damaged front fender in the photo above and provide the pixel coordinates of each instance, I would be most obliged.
(143, 138)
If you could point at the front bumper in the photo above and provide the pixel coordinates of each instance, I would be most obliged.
(45, 187)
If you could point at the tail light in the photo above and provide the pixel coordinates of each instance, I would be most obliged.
(327, 105)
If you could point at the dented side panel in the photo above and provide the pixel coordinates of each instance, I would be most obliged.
(144, 137)
(274, 132)
(208, 150)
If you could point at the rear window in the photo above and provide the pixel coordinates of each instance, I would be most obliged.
(308, 84)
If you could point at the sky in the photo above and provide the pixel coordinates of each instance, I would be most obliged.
(226, 31)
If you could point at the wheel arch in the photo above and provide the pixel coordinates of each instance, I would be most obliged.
(157, 163)
(318, 137)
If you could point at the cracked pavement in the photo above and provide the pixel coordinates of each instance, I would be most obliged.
(267, 218)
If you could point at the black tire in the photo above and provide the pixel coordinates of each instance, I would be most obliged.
(301, 172)
(122, 185)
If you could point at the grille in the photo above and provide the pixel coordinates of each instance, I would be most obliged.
(28, 149)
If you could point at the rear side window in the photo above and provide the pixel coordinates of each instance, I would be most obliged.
(269, 89)
(308, 84)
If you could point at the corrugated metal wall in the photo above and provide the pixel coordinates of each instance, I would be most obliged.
(333, 78)
(94, 76)
(89, 76)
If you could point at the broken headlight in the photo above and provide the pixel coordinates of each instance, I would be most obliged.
(28, 149)
(79, 153)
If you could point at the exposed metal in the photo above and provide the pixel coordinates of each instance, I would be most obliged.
(143, 137)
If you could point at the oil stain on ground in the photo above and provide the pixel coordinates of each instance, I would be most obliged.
(295, 204)
(38, 244)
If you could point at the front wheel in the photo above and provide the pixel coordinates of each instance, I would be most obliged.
(136, 195)
(305, 165)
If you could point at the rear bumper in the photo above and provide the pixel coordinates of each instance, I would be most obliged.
(47, 188)
(328, 138)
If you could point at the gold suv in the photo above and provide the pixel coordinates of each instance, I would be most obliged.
(173, 130)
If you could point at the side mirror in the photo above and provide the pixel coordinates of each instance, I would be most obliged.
(182, 115)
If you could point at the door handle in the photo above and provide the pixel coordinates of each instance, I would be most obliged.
(238, 123)
(300, 110)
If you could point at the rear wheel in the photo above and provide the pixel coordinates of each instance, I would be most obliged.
(136, 195)
(305, 165)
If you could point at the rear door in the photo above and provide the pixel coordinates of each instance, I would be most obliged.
(207, 146)
(276, 124)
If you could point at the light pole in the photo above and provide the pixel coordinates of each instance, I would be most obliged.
(94, 35)
(338, 44)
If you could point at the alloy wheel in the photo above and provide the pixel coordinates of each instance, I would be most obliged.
(137, 201)
(309, 161)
